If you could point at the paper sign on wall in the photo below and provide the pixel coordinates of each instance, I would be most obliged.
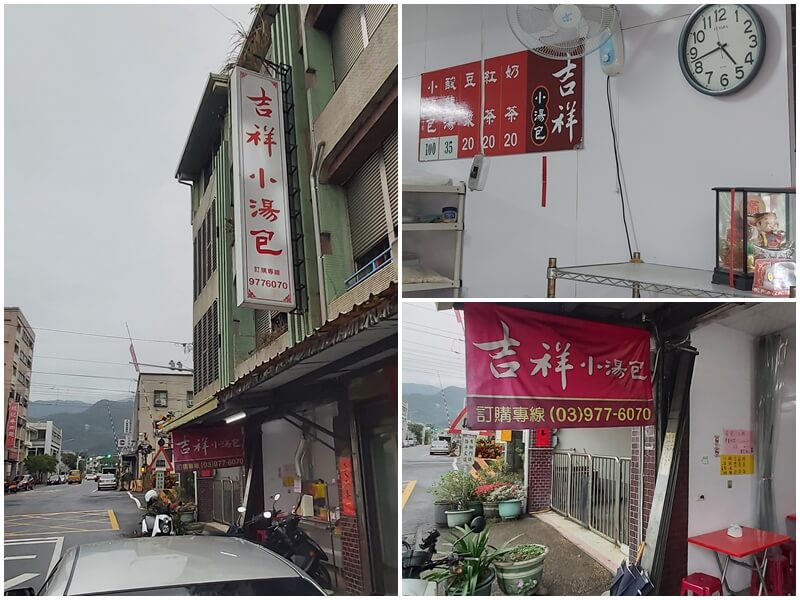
(737, 452)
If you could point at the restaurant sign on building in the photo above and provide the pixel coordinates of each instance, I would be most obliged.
(263, 257)
(214, 447)
(11, 424)
(528, 369)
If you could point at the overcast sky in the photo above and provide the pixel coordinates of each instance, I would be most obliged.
(98, 104)
(433, 346)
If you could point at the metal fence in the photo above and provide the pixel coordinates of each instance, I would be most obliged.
(226, 498)
(594, 491)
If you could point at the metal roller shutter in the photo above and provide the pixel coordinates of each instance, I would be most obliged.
(390, 160)
(365, 205)
(374, 15)
(263, 319)
(347, 41)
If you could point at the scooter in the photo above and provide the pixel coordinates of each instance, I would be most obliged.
(156, 523)
(246, 529)
(415, 562)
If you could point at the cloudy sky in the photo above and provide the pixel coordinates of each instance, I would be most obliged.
(98, 104)
(433, 346)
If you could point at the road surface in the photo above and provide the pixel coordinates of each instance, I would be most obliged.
(42, 523)
(420, 471)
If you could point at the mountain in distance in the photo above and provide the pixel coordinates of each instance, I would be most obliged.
(425, 403)
(90, 429)
(42, 409)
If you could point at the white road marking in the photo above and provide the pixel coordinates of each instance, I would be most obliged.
(24, 541)
(135, 499)
(455, 465)
(24, 557)
(56, 556)
(9, 583)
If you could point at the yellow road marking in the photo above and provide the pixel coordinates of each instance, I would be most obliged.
(113, 518)
(407, 491)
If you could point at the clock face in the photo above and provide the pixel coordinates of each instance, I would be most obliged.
(721, 48)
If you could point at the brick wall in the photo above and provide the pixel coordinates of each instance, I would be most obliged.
(205, 498)
(649, 470)
(351, 556)
(540, 474)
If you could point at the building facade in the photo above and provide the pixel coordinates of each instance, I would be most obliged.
(19, 340)
(314, 388)
(159, 396)
(45, 438)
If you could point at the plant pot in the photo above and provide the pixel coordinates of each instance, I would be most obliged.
(456, 518)
(439, 508)
(186, 516)
(477, 508)
(490, 511)
(509, 575)
(484, 587)
(509, 509)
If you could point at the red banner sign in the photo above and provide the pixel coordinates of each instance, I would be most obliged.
(11, 424)
(528, 369)
(531, 104)
(347, 486)
(214, 447)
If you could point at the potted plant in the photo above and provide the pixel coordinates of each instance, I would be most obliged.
(463, 488)
(508, 498)
(446, 493)
(473, 574)
(519, 571)
(483, 493)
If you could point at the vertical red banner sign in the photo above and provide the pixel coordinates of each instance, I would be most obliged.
(531, 104)
(528, 369)
(11, 424)
(347, 486)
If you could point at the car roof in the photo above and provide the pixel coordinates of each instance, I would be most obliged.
(168, 561)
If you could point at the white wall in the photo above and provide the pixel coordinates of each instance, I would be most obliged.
(675, 144)
(614, 441)
(723, 385)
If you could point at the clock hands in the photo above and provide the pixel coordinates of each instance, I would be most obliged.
(707, 53)
(722, 47)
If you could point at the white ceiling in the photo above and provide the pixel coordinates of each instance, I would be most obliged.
(762, 318)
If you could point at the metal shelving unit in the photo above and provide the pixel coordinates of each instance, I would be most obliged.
(453, 279)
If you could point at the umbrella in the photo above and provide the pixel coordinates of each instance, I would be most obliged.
(631, 579)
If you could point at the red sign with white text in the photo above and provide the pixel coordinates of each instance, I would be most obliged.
(528, 369)
(531, 104)
(347, 486)
(11, 424)
(215, 447)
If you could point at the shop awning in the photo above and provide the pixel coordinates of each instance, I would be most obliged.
(198, 410)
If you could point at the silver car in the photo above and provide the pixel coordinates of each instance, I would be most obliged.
(176, 566)
(107, 481)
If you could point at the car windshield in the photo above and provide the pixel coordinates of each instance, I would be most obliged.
(283, 586)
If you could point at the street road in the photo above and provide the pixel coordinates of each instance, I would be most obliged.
(420, 471)
(41, 524)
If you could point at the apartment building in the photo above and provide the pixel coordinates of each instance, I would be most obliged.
(308, 379)
(45, 438)
(19, 340)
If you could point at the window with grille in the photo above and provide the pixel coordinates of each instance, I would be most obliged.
(270, 324)
(205, 250)
(160, 398)
(189, 399)
(351, 34)
(206, 349)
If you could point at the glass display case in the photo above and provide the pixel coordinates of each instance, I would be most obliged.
(752, 224)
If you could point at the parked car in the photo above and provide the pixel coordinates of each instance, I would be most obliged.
(54, 480)
(62, 478)
(107, 481)
(440, 447)
(24, 482)
(170, 566)
(74, 476)
(91, 477)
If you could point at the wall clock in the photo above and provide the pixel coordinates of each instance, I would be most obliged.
(721, 48)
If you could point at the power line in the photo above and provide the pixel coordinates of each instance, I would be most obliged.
(80, 375)
(99, 362)
(74, 387)
(435, 334)
(115, 337)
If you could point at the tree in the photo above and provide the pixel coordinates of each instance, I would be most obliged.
(40, 464)
(416, 429)
(70, 459)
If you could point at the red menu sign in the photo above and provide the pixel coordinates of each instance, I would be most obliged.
(11, 424)
(531, 104)
(528, 369)
(216, 447)
(347, 488)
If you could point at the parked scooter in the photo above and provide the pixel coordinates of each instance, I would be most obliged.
(158, 519)
(256, 529)
(417, 561)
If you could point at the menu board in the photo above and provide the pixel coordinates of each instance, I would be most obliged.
(737, 452)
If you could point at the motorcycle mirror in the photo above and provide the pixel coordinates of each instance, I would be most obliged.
(478, 524)
(241, 510)
(267, 515)
(276, 497)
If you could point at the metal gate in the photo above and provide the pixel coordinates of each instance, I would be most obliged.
(593, 491)
(226, 498)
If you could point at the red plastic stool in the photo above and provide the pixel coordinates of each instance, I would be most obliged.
(789, 552)
(776, 577)
(701, 584)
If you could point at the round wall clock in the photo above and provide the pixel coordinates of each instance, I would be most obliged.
(721, 48)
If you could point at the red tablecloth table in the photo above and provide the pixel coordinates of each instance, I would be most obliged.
(752, 542)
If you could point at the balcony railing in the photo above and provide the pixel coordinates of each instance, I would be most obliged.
(375, 265)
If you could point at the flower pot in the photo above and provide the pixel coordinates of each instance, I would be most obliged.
(511, 577)
(477, 508)
(186, 516)
(509, 509)
(457, 518)
(490, 511)
(484, 587)
(439, 508)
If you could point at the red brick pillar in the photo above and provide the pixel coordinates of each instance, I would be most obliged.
(351, 556)
(677, 551)
(540, 476)
(648, 468)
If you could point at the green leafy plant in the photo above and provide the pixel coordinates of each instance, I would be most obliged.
(524, 552)
(474, 564)
(40, 464)
(497, 471)
(456, 487)
(507, 492)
